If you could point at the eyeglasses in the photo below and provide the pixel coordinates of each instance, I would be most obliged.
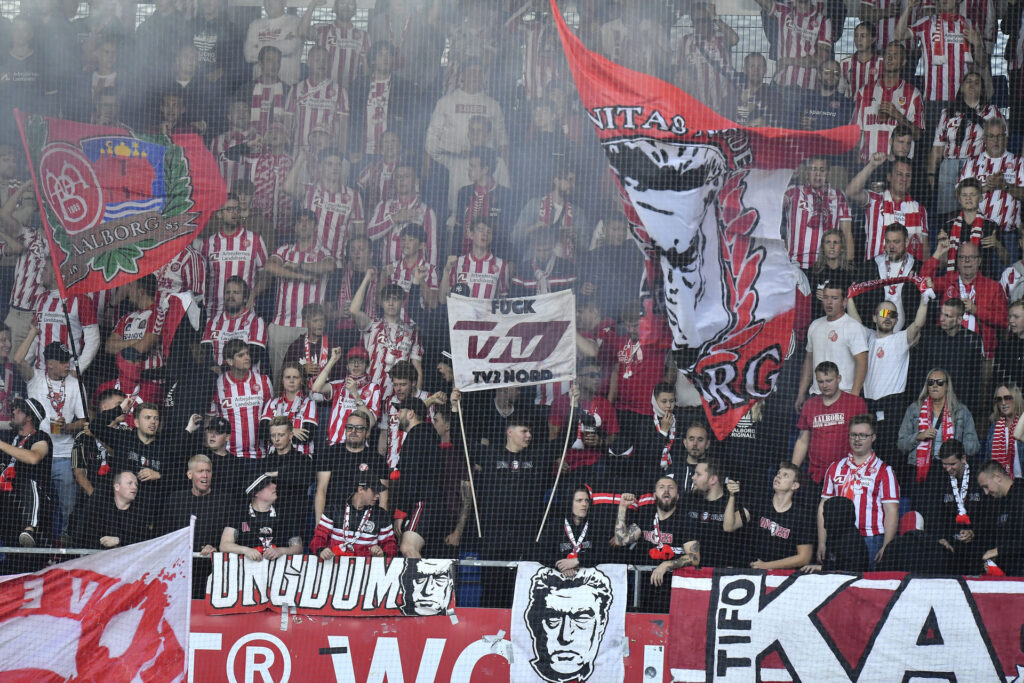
(1003, 399)
(860, 437)
(970, 258)
(355, 428)
(936, 382)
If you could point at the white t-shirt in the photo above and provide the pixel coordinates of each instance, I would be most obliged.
(51, 395)
(838, 341)
(888, 362)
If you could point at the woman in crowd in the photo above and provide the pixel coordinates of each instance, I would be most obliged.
(935, 417)
(573, 541)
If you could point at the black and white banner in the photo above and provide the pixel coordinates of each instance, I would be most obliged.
(569, 629)
(512, 342)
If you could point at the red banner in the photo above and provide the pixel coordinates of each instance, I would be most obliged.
(753, 626)
(704, 196)
(116, 205)
(469, 648)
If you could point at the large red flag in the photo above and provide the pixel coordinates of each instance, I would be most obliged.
(116, 205)
(705, 198)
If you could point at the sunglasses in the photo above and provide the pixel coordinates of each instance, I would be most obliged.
(1004, 399)
(936, 382)
(355, 428)
(887, 313)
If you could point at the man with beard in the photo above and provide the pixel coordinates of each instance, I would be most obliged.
(25, 499)
(669, 539)
(232, 250)
(886, 103)
(236, 321)
(418, 508)
(346, 45)
(705, 507)
(339, 463)
(555, 212)
(895, 262)
(404, 378)
(893, 205)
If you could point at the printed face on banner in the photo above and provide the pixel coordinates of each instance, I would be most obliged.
(567, 619)
(427, 587)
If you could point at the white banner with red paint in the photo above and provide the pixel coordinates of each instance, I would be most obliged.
(116, 616)
(747, 626)
(512, 342)
(704, 196)
(341, 586)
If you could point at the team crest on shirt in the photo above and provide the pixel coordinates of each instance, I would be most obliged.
(901, 100)
(833, 336)
(880, 353)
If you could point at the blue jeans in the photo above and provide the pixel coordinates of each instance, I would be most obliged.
(66, 491)
(874, 544)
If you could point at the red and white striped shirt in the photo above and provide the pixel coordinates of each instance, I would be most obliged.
(185, 272)
(709, 62)
(855, 74)
(347, 50)
(946, 52)
(267, 105)
(377, 103)
(875, 130)
(799, 36)
(344, 404)
(300, 409)
(882, 210)
(542, 58)
(133, 327)
(28, 271)
(375, 181)
(316, 104)
(487, 277)
(396, 437)
(335, 214)
(998, 205)
(49, 322)
(293, 295)
(269, 172)
(230, 170)
(241, 403)
(973, 142)
(886, 28)
(387, 343)
(868, 486)
(810, 212)
(382, 226)
(240, 253)
(222, 328)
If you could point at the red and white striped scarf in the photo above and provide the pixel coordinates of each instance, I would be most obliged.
(924, 448)
(479, 208)
(563, 222)
(1004, 447)
(954, 237)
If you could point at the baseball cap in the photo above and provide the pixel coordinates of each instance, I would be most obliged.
(414, 231)
(219, 425)
(260, 483)
(57, 351)
(358, 352)
(911, 521)
(31, 406)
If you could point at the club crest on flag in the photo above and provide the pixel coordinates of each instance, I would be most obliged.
(116, 205)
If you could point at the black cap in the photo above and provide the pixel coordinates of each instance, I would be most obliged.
(416, 405)
(219, 425)
(57, 351)
(415, 231)
(31, 406)
(260, 483)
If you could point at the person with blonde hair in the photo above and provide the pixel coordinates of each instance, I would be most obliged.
(937, 416)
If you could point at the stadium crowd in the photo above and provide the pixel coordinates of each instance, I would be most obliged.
(301, 399)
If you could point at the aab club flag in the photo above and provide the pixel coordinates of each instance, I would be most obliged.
(116, 205)
(116, 616)
(704, 196)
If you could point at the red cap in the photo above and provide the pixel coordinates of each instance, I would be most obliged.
(358, 352)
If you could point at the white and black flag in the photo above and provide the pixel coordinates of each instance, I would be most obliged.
(569, 629)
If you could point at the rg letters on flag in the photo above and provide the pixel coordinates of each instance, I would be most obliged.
(117, 615)
(569, 629)
(512, 342)
(704, 198)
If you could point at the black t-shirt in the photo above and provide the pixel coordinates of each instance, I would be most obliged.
(209, 511)
(717, 548)
(40, 472)
(675, 532)
(232, 475)
(256, 529)
(348, 468)
(294, 475)
(775, 535)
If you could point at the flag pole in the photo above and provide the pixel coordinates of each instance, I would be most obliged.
(74, 356)
(561, 463)
(469, 467)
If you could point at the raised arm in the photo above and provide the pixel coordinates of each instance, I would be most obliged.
(355, 308)
(855, 190)
(323, 380)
